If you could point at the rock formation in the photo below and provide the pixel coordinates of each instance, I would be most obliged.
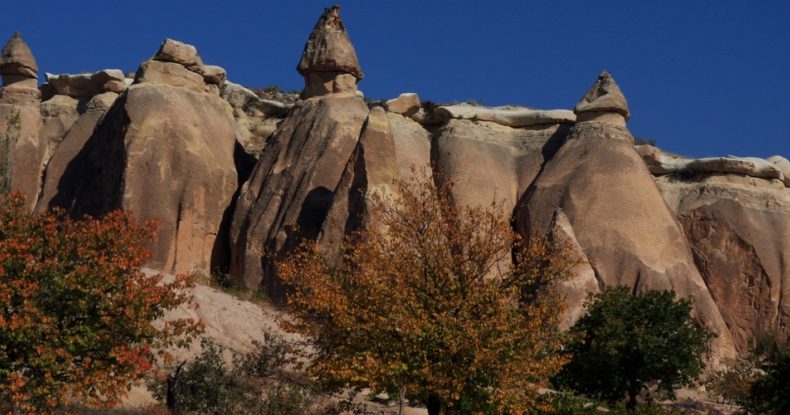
(164, 151)
(329, 61)
(615, 210)
(237, 181)
(21, 150)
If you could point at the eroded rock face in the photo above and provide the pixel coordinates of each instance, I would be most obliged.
(739, 229)
(256, 118)
(289, 194)
(619, 218)
(604, 97)
(22, 151)
(329, 62)
(488, 162)
(164, 151)
(509, 116)
(87, 84)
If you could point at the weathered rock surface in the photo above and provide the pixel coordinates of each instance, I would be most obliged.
(740, 235)
(164, 151)
(783, 165)
(87, 84)
(58, 114)
(488, 162)
(289, 194)
(661, 163)
(328, 56)
(178, 52)
(406, 104)
(16, 59)
(619, 217)
(256, 118)
(604, 97)
(576, 289)
(22, 151)
(508, 115)
(172, 74)
(69, 146)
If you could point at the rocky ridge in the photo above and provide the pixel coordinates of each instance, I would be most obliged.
(237, 181)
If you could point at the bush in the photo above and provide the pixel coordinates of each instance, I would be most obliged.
(627, 342)
(258, 382)
(76, 312)
(433, 308)
(770, 393)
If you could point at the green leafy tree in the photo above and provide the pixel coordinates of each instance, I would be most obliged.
(770, 393)
(76, 312)
(425, 305)
(627, 342)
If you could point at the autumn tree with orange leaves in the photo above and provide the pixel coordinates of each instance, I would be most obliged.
(76, 311)
(443, 305)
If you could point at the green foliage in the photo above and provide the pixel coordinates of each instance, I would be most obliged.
(221, 382)
(732, 383)
(7, 140)
(76, 312)
(567, 404)
(626, 343)
(770, 393)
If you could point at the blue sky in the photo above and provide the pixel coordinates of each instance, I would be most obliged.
(702, 77)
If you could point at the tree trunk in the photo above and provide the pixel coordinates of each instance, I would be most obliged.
(436, 406)
(171, 396)
(633, 392)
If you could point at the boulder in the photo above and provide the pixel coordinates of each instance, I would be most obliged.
(619, 218)
(16, 60)
(406, 104)
(213, 74)
(256, 118)
(172, 74)
(510, 116)
(327, 55)
(290, 191)
(783, 165)
(661, 163)
(178, 52)
(164, 153)
(87, 84)
(604, 97)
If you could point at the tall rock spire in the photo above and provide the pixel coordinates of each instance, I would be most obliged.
(17, 61)
(604, 97)
(329, 62)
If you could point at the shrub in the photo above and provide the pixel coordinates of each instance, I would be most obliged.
(627, 342)
(433, 307)
(770, 393)
(76, 312)
(258, 382)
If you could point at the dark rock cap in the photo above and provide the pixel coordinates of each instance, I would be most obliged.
(17, 59)
(604, 96)
(328, 49)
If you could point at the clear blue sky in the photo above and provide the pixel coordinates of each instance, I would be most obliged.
(702, 77)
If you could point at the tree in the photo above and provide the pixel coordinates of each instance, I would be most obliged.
(627, 342)
(440, 304)
(76, 311)
(770, 393)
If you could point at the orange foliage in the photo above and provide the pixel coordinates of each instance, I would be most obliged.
(443, 303)
(76, 312)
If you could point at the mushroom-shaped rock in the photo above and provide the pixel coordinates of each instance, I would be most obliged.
(604, 97)
(17, 59)
(328, 55)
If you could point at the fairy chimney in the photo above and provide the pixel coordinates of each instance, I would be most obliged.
(329, 62)
(17, 65)
(604, 102)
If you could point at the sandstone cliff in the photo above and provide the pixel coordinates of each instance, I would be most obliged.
(237, 181)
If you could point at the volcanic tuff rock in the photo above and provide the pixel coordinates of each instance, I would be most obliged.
(328, 57)
(164, 150)
(237, 181)
(603, 186)
(21, 151)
